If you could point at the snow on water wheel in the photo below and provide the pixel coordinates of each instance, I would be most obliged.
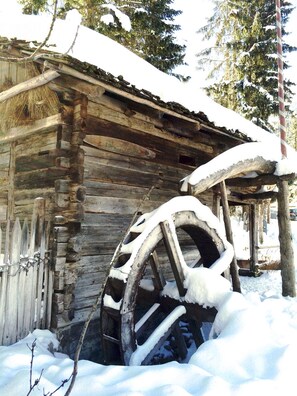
(145, 310)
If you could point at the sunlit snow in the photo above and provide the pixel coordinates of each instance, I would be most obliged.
(101, 51)
(253, 344)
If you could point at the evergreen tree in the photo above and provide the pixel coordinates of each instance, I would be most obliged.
(292, 129)
(152, 33)
(245, 65)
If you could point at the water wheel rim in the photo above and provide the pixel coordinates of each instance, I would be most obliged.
(196, 227)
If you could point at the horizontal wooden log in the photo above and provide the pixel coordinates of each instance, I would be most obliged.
(44, 178)
(97, 188)
(4, 160)
(23, 197)
(158, 119)
(243, 167)
(91, 264)
(118, 205)
(35, 144)
(45, 159)
(34, 82)
(119, 146)
(3, 212)
(252, 198)
(258, 181)
(39, 126)
(90, 90)
(105, 117)
(81, 315)
(64, 69)
(168, 149)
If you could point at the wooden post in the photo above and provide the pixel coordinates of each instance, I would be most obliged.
(281, 93)
(285, 233)
(227, 221)
(216, 202)
(253, 238)
(285, 240)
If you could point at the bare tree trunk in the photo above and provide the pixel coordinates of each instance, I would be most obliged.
(285, 240)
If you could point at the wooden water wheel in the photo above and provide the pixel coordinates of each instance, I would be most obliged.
(144, 301)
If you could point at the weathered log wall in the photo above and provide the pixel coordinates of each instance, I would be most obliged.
(125, 171)
(95, 164)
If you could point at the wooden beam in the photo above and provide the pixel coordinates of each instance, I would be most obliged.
(64, 69)
(38, 126)
(34, 82)
(172, 251)
(253, 233)
(216, 202)
(208, 180)
(261, 180)
(285, 241)
(125, 125)
(256, 197)
(229, 235)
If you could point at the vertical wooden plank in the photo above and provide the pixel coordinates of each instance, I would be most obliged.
(31, 275)
(285, 241)
(50, 284)
(174, 258)
(158, 280)
(34, 242)
(10, 328)
(2, 289)
(40, 240)
(4, 286)
(28, 284)
(47, 287)
(253, 238)
(216, 202)
(229, 235)
(10, 194)
(22, 329)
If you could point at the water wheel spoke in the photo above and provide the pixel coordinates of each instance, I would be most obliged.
(144, 353)
(158, 279)
(180, 342)
(141, 322)
(195, 329)
(173, 251)
(146, 319)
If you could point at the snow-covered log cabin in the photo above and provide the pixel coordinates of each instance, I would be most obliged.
(100, 135)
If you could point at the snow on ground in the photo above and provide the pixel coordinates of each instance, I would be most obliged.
(253, 350)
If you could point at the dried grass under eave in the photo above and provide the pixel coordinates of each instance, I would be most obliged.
(28, 106)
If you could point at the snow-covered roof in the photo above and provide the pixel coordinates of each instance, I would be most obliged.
(86, 45)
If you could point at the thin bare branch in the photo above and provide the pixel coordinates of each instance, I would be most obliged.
(37, 50)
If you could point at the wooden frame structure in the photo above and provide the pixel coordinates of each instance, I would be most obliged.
(93, 161)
